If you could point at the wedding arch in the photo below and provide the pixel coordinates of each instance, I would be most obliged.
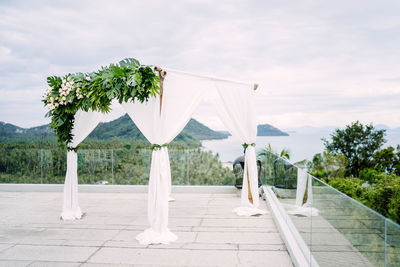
(160, 102)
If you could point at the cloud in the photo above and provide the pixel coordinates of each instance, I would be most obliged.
(318, 63)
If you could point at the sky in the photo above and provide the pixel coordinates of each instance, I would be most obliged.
(318, 63)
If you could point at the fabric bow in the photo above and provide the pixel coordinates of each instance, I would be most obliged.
(157, 147)
(245, 145)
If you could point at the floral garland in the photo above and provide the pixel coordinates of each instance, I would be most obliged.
(125, 81)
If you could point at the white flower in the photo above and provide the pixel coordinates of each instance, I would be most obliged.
(56, 104)
(69, 78)
(52, 99)
(87, 78)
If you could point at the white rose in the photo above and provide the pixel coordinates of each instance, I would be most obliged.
(87, 78)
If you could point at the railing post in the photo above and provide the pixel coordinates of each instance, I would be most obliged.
(112, 166)
(385, 256)
(41, 166)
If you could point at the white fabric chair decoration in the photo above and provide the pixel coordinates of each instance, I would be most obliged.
(84, 124)
(304, 185)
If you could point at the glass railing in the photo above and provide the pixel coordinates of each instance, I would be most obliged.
(345, 232)
(117, 166)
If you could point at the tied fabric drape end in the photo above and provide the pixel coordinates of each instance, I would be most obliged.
(156, 147)
(245, 145)
(70, 148)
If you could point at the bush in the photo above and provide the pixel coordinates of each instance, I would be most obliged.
(351, 187)
(371, 175)
(383, 196)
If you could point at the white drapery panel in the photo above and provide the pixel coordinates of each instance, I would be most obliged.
(304, 185)
(235, 107)
(84, 124)
(181, 95)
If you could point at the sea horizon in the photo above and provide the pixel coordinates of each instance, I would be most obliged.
(301, 145)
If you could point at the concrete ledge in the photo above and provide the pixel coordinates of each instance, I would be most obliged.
(89, 188)
(297, 248)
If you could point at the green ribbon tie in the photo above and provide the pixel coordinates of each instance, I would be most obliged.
(156, 147)
(245, 145)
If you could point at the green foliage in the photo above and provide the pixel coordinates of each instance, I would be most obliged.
(358, 143)
(125, 81)
(351, 187)
(117, 161)
(383, 196)
(276, 170)
(388, 160)
(371, 175)
(285, 153)
(327, 165)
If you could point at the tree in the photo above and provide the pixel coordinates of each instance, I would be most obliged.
(358, 143)
(387, 160)
(328, 165)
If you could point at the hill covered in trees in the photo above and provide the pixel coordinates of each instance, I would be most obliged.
(122, 128)
(269, 130)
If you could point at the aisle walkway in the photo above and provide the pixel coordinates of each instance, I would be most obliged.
(209, 233)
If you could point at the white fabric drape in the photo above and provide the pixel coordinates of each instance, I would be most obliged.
(304, 184)
(84, 124)
(181, 95)
(235, 108)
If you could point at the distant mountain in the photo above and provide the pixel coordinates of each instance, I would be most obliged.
(312, 130)
(8, 129)
(269, 130)
(122, 128)
(202, 132)
(11, 132)
(397, 130)
(225, 133)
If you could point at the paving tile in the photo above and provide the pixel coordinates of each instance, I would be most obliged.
(208, 246)
(239, 238)
(54, 264)
(80, 234)
(14, 263)
(265, 258)
(47, 253)
(240, 222)
(5, 246)
(141, 256)
(209, 233)
(213, 258)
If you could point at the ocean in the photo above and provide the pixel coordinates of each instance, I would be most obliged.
(301, 145)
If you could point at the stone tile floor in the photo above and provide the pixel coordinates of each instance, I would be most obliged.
(209, 233)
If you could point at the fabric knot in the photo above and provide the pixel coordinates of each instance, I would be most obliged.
(245, 145)
(156, 147)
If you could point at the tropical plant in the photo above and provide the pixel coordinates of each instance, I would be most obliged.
(285, 153)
